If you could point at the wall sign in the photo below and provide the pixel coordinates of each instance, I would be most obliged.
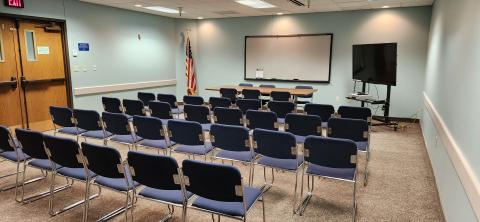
(83, 47)
(14, 3)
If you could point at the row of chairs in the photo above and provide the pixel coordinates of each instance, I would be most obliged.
(278, 97)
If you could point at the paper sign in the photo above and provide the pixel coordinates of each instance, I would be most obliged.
(83, 47)
(259, 74)
(43, 50)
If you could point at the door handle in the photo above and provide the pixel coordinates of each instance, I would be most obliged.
(24, 82)
(12, 83)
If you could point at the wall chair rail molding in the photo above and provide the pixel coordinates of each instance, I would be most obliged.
(82, 91)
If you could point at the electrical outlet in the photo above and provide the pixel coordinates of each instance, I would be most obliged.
(94, 67)
(76, 68)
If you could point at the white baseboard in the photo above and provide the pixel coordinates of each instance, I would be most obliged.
(122, 87)
(467, 175)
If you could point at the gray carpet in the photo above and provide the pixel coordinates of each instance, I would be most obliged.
(401, 188)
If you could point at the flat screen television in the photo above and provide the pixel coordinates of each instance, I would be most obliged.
(375, 63)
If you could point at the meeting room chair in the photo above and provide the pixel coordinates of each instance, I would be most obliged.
(245, 84)
(172, 100)
(249, 104)
(161, 110)
(255, 119)
(228, 116)
(323, 110)
(267, 86)
(232, 144)
(301, 99)
(193, 100)
(199, 114)
(134, 107)
(67, 154)
(277, 151)
(266, 96)
(62, 116)
(110, 172)
(118, 125)
(33, 148)
(190, 138)
(219, 102)
(146, 97)
(91, 122)
(251, 94)
(281, 96)
(354, 112)
(152, 132)
(229, 93)
(356, 130)
(229, 198)
(112, 105)
(303, 125)
(329, 158)
(161, 180)
(281, 108)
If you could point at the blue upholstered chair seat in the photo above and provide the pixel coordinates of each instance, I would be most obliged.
(116, 183)
(281, 120)
(287, 164)
(161, 144)
(77, 173)
(71, 130)
(197, 149)
(164, 121)
(97, 134)
(172, 196)
(236, 155)
(12, 156)
(43, 164)
(126, 139)
(229, 208)
(362, 146)
(342, 173)
(300, 139)
(177, 110)
(325, 124)
(206, 126)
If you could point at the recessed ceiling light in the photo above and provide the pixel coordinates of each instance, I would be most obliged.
(279, 13)
(138, 5)
(255, 3)
(200, 18)
(163, 9)
(385, 6)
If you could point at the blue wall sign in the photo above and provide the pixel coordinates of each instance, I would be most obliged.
(83, 47)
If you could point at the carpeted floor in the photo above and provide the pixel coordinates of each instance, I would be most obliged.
(401, 188)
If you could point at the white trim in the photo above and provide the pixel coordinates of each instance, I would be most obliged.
(467, 175)
(122, 87)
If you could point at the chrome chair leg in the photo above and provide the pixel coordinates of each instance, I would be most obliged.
(304, 202)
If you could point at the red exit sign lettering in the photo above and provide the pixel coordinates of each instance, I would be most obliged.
(14, 3)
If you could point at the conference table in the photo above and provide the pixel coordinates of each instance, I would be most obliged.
(266, 91)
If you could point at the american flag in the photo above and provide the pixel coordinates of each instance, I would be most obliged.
(190, 70)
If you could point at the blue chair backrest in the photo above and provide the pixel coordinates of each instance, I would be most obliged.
(212, 181)
(112, 105)
(353, 129)
(330, 152)
(266, 86)
(168, 98)
(353, 112)
(116, 123)
(6, 139)
(305, 87)
(246, 84)
(146, 97)
(261, 120)
(248, 104)
(134, 107)
(251, 94)
(281, 108)
(154, 171)
(160, 110)
(197, 113)
(324, 111)
(280, 96)
(63, 151)
(232, 138)
(274, 144)
(193, 100)
(229, 93)
(219, 102)
(149, 128)
(61, 116)
(87, 119)
(32, 143)
(303, 125)
(102, 160)
(228, 116)
(185, 132)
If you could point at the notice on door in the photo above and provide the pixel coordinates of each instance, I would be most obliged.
(43, 50)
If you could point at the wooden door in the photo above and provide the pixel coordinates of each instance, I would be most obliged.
(10, 99)
(43, 71)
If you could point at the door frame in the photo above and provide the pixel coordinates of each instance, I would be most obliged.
(66, 57)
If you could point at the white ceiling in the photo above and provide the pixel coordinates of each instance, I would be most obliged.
(229, 8)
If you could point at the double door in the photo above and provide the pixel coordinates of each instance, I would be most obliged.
(32, 73)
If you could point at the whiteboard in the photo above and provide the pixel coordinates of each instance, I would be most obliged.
(303, 58)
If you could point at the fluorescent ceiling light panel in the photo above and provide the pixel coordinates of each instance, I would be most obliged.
(163, 9)
(255, 3)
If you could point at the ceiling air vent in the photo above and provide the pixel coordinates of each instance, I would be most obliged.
(297, 2)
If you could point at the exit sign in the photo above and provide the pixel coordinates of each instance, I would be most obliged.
(14, 3)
